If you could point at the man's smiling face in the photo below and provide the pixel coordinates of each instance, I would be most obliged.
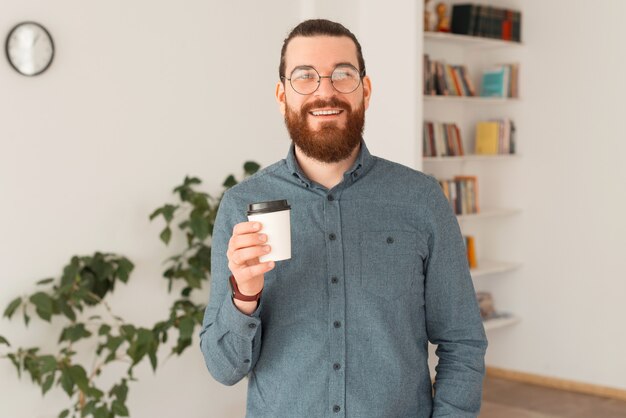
(327, 125)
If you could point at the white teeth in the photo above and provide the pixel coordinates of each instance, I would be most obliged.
(326, 112)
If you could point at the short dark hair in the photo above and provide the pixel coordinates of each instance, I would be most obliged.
(320, 27)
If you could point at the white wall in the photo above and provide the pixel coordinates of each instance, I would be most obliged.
(570, 293)
(140, 94)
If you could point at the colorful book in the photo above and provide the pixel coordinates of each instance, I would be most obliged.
(487, 138)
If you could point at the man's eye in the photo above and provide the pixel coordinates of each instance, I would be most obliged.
(340, 75)
(305, 76)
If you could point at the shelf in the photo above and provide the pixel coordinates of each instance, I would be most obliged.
(469, 99)
(501, 322)
(489, 213)
(468, 41)
(487, 267)
(471, 157)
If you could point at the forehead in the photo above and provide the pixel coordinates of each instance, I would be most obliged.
(321, 52)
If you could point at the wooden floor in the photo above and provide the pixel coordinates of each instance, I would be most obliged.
(506, 399)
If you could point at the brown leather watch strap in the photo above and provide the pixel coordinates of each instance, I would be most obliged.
(238, 295)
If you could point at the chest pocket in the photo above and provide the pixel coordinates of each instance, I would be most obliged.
(388, 263)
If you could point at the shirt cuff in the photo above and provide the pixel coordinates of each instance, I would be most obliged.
(246, 326)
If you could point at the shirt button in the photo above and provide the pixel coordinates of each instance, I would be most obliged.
(334, 280)
(336, 408)
(330, 198)
(336, 366)
(356, 174)
(389, 240)
(337, 324)
(251, 326)
(332, 237)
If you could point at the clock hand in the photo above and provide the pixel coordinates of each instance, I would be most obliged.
(35, 39)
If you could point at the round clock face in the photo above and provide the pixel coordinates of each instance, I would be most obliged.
(29, 48)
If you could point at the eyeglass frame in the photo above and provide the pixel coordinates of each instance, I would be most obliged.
(319, 78)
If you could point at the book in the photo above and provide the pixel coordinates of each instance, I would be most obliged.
(444, 79)
(470, 246)
(487, 138)
(486, 21)
(495, 82)
(441, 140)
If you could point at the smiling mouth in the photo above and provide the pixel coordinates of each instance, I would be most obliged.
(326, 113)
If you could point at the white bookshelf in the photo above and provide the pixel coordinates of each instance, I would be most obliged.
(477, 54)
(496, 323)
(469, 41)
(489, 213)
(471, 99)
(489, 267)
(472, 157)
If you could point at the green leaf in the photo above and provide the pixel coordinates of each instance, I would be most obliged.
(43, 302)
(166, 235)
(12, 307)
(119, 408)
(156, 213)
(199, 226)
(104, 329)
(250, 167)
(64, 413)
(101, 412)
(120, 391)
(168, 212)
(125, 267)
(66, 309)
(45, 281)
(79, 377)
(66, 382)
(47, 384)
(186, 328)
(47, 364)
(4, 341)
(74, 333)
(229, 182)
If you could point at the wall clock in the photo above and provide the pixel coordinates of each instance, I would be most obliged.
(29, 48)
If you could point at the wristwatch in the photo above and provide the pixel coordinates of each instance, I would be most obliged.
(236, 294)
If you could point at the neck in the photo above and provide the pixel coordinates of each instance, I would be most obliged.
(326, 174)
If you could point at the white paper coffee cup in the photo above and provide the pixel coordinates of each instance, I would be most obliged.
(274, 217)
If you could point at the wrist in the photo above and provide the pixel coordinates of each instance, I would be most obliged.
(245, 307)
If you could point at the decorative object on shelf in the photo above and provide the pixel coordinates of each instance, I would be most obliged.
(495, 137)
(84, 290)
(443, 79)
(486, 304)
(29, 48)
(486, 21)
(427, 17)
(500, 81)
(470, 246)
(443, 23)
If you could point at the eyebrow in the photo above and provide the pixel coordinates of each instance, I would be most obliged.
(335, 66)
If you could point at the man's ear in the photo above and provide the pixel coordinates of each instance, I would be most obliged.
(367, 91)
(280, 97)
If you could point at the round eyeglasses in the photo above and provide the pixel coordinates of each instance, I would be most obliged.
(306, 80)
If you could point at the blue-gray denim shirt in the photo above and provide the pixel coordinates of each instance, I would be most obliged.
(378, 269)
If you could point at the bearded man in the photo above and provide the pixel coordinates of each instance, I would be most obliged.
(378, 266)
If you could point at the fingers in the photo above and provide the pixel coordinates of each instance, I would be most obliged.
(246, 228)
(246, 240)
(247, 273)
(242, 256)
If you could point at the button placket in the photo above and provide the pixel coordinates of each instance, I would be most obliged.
(336, 306)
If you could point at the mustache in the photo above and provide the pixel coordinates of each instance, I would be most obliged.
(333, 102)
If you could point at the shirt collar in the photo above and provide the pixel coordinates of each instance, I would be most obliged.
(362, 164)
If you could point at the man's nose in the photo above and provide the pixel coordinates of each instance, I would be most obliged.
(326, 87)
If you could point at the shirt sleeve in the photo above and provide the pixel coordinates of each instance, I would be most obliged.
(229, 339)
(452, 315)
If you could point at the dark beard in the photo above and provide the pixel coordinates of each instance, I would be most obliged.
(329, 144)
